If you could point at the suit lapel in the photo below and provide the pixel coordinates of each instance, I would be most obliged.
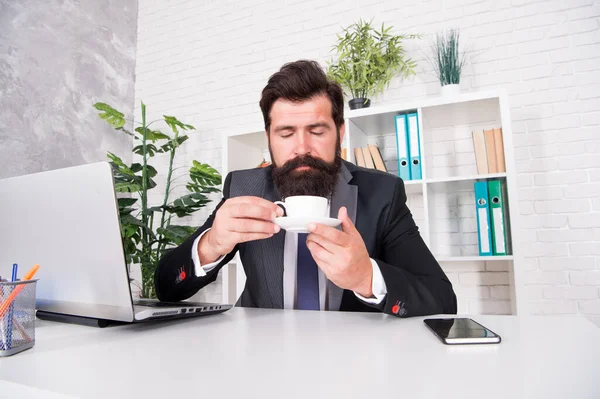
(346, 195)
(272, 252)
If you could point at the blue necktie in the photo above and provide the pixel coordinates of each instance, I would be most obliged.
(307, 277)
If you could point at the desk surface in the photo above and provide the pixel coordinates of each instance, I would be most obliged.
(303, 354)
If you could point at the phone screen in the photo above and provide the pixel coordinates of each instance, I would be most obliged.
(459, 328)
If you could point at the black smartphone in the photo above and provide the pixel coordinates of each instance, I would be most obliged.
(461, 330)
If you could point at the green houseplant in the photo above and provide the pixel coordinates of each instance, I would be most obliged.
(448, 61)
(367, 60)
(147, 231)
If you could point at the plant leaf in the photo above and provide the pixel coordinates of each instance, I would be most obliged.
(174, 143)
(126, 202)
(203, 175)
(187, 204)
(127, 187)
(152, 135)
(110, 115)
(150, 149)
(119, 165)
(176, 234)
(174, 123)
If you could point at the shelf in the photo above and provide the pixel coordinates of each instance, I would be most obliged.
(467, 107)
(465, 178)
(474, 258)
(413, 186)
(414, 104)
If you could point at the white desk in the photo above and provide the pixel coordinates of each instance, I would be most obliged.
(256, 353)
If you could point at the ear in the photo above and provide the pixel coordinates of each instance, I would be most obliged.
(342, 132)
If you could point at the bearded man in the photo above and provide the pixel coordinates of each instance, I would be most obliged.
(375, 261)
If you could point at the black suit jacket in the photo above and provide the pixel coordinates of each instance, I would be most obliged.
(376, 203)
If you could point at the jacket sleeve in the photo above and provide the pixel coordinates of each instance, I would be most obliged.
(175, 278)
(416, 284)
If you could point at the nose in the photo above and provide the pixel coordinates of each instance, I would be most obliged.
(303, 145)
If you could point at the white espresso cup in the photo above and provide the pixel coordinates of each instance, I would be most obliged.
(304, 206)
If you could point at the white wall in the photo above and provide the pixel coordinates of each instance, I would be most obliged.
(206, 63)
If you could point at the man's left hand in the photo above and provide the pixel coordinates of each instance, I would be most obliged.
(342, 255)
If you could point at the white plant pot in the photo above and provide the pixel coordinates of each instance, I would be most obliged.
(450, 90)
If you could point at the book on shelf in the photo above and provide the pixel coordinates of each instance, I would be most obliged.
(414, 147)
(488, 145)
(482, 209)
(480, 155)
(402, 147)
(359, 157)
(408, 146)
(493, 225)
(497, 217)
(368, 158)
(377, 158)
(499, 147)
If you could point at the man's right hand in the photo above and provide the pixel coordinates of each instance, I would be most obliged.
(239, 219)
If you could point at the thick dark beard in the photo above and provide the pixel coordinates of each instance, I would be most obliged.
(319, 180)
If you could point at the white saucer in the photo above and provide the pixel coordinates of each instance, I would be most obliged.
(300, 224)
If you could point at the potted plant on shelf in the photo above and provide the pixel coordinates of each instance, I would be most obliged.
(367, 60)
(148, 231)
(448, 61)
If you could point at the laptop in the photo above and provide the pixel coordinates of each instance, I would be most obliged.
(67, 221)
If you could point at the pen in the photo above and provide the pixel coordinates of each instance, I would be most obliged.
(10, 317)
(4, 306)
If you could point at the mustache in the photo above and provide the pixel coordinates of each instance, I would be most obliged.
(304, 160)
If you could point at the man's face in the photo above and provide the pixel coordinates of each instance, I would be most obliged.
(304, 147)
(303, 128)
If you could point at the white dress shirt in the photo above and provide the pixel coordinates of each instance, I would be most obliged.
(289, 264)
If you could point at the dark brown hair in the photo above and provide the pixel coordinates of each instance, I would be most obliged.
(300, 81)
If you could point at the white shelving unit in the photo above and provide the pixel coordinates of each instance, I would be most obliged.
(442, 202)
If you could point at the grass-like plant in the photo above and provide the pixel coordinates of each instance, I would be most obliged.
(448, 59)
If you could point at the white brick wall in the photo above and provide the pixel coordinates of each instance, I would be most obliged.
(206, 62)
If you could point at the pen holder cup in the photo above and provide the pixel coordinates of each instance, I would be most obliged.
(17, 316)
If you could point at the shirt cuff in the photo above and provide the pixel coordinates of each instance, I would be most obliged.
(200, 270)
(377, 286)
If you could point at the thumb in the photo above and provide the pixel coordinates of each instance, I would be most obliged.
(347, 225)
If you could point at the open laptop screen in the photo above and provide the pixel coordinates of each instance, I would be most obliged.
(67, 221)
